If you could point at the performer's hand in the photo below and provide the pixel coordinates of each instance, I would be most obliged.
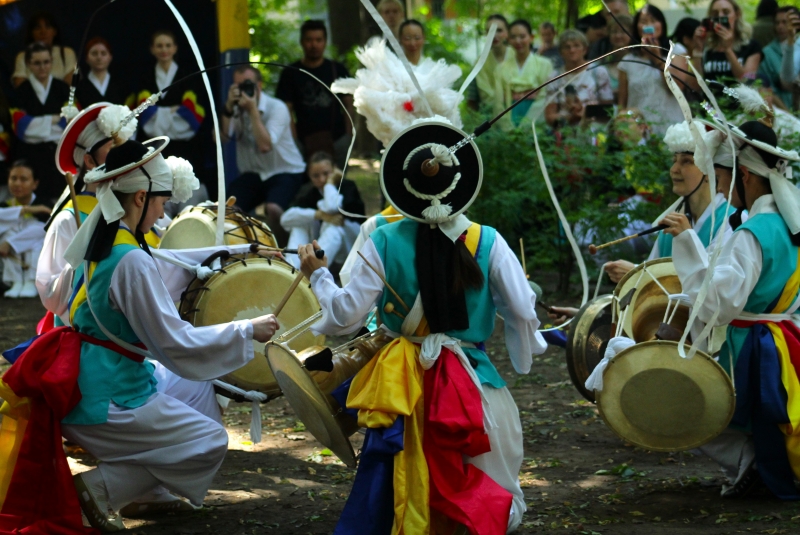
(308, 262)
(676, 223)
(560, 315)
(5, 249)
(618, 269)
(264, 328)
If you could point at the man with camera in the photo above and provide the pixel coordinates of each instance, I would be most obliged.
(271, 167)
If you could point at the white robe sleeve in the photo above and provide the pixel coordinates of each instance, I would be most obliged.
(167, 123)
(330, 199)
(363, 235)
(40, 129)
(735, 275)
(176, 278)
(297, 217)
(194, 353)
(28, 238)
(9, 217)
(52, 287)
(516, 303)
(346, 309)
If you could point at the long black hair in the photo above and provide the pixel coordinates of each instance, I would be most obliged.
(656, 13)
(50, 20)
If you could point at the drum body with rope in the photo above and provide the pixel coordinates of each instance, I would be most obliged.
(642, 302)
(308, 392)
(587, 340)
(657, 400)
(246, 287)
(196, 226)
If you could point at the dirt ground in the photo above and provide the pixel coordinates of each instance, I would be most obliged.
(289, 484)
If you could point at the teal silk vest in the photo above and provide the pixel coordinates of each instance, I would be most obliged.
(705, 232)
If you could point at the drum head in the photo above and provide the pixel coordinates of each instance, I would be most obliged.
(659, 401)
(309, 402)
(586, 344)
(644, 290)
(245, 290)
(196, 226)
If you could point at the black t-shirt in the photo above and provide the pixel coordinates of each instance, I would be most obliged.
(314, 107)
(717, 67)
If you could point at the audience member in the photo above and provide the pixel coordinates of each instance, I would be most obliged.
(97, 85)
(178, 114)
(763, 27)
(781, 63)
(320, 123)
(271, 167)
(684, 33)
(481, 91)
(518, 74)
(594, 26)
(5, 138)
(548, 47)
(315, 215)
(617, 8)
(641, 77)
(393, 13)
(412, 39)
(725, 52)
(21, 231)
(37, 121)
(42, 28)
(619, 36)
(592, 85)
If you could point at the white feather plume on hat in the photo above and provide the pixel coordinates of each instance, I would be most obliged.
(385, 95)
(110, 120)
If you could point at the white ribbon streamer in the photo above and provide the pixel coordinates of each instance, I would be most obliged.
(256, 398)
(615, 346)
(487, 47)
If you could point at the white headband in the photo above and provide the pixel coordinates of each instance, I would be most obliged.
(787, 196)
(90, 137)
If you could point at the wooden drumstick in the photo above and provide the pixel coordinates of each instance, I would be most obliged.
(231, 200)
(594, 248)
(288, 294)
(384, 282)
(389, 309)
(74, 198)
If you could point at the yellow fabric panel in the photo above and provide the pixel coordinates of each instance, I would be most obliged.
(789, 291)
(234, 24)
(391, 384)
(152, 239)
(15, 416)
(86, 203)
(792, 386)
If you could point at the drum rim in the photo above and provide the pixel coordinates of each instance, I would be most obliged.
(579, 347)
(208, 215)
(612, 420)
(339, 444)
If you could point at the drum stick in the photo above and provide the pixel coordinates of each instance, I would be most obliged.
(288, 294)
(594, 248)
(74, 198)
(231, 201)
(384, 282)
(254, 248)
(389, 309)
(522, 256)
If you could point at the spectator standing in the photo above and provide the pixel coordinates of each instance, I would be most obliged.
(726, 52)
(781, 63)
(603, 45)
(393, 13)
(272, 169)
(592, 87)
(320, 124)
(42, 28)
(37, 120)
(21, 231)
(481, 91)
(684, 33)
(641, 77)
(178, 114)
(619, 36)
(518, 74)
(315, 215)
(763, 27)
(98, 85)
(594, 26)
(548, 47)
(412, 39)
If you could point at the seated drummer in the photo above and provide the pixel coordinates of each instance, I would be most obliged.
(152, 425)
(754, 287)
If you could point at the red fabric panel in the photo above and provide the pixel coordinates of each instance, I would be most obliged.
(453, 428)
(41, 498)
(46, 323)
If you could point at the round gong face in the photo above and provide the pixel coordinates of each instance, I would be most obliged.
(659, 401)
(246, 291)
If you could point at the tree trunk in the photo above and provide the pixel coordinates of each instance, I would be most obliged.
(345, 24)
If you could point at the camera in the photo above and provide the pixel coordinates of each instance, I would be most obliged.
(708, 24)
(248, 87)
(649, 30)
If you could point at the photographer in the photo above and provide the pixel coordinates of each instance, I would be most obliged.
(272, 169)
(722, 45)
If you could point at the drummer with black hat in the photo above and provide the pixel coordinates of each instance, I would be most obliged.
(754, 287)
(438, 280)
